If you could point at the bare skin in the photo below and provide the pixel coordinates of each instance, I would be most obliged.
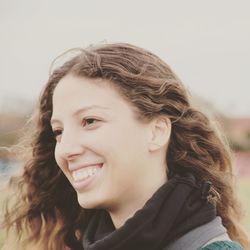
(133, 153)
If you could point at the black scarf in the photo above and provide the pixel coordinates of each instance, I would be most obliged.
(177, 207)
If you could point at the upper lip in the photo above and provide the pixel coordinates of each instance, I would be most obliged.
(75, 167)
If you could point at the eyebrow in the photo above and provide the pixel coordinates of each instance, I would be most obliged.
(81, 110)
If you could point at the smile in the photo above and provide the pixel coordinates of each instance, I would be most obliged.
(83, 177)
(86, 172)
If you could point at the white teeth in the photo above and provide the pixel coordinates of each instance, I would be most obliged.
(84, 173)
(89, 172)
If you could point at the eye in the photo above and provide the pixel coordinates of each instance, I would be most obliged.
(56, 133)
(89, 121)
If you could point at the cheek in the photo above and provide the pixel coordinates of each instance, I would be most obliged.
(60, 162)
(128, 149)
(129, 140)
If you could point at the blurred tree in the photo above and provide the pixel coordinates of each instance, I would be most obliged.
(10, 130)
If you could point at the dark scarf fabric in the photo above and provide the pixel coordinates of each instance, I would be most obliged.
(177, 207)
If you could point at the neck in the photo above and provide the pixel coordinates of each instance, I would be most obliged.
(128, 207)
(157, 225)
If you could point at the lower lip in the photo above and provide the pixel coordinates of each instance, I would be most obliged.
(82, 185)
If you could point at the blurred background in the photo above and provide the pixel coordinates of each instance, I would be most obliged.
(205, 42)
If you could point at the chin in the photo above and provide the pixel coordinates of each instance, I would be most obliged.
(88, 203)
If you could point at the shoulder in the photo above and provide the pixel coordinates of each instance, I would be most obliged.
(223, 245)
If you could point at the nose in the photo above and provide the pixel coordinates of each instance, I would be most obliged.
(69, 147)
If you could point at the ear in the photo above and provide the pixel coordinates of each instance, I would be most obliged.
(160, 133)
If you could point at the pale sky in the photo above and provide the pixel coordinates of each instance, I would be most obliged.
(206, 43)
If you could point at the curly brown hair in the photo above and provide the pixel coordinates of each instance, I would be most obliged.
(148, 83)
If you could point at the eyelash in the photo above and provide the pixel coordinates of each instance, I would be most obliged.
(58, 132)
(87, 119)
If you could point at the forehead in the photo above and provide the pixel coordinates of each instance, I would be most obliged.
(83, 89)
(74, 92)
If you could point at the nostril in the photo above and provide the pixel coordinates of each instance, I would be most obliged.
(68, 152)
(71, 156)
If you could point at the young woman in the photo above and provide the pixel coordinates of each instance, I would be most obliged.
(119, 159)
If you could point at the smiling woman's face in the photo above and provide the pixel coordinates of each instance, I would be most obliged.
(106, 136)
